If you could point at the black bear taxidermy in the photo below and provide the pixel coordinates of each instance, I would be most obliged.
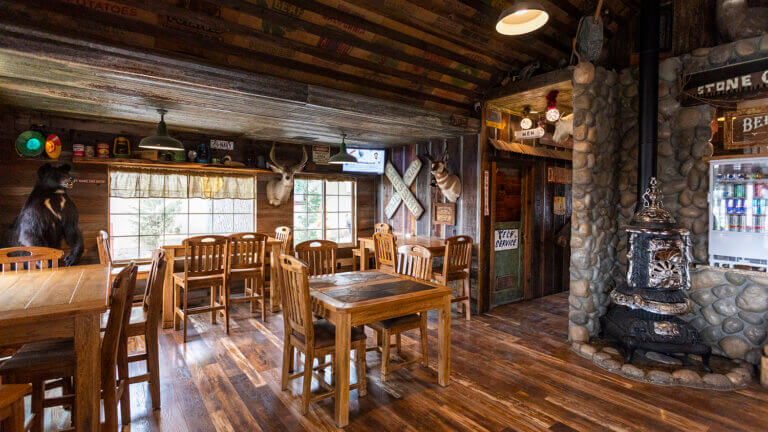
(49, 215)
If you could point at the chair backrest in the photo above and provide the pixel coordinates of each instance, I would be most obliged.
(382, 227)
(29, 258)
(386, 254)
(415, 261)
(105, 252)
(295, 298)
(119, 314)
(247, 250)
(458, 254)
(153, 293)
(320, 256)
(205, 255)
(283, 233)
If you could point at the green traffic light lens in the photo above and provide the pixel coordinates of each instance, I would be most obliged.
(34, 144)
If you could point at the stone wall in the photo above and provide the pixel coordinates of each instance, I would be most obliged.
(593, 222)
(730, 311)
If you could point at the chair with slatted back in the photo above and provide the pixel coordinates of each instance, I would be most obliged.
(320, 256)
(456, 264)
(205, 267)
(283, 233)
(12, 406)
(385, 251)
(414, 261)
(103, 244)
(144, 322)
(29, 258)
(247, 263)
(316, 339)
(357, 253)
(55, 359)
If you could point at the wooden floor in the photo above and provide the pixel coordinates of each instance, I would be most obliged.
(512, 371)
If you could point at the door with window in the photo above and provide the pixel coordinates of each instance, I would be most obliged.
(508, 218)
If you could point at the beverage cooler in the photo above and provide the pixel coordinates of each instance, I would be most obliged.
(738, 202)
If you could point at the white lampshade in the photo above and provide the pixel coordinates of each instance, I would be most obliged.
(523, 17)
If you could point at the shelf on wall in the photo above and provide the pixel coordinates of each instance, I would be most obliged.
(144, 163)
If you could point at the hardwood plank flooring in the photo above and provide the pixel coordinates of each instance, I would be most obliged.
(513, 371)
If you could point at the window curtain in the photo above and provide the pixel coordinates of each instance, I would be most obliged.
(164, 183)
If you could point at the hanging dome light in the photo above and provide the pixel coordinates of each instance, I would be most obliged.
(161, 140)
(553, 114)
(521, 18)
(342, 156)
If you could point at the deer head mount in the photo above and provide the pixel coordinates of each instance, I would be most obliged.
(449, 184)
(279, 189)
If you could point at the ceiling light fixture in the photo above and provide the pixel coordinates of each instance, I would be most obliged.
(161, 140)
(526, 122)
(553, 114)
(342, 156)
(521, 18)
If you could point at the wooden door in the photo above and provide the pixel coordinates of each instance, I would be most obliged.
(508, 238)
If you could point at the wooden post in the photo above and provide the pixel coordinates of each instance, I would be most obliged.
(484, 233)
(764, 368)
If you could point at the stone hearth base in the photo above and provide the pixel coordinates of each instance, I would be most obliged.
(660, 369)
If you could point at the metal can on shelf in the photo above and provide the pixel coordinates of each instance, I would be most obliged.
(738, 190)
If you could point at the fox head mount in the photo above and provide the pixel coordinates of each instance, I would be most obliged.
(279, 189)
(449, 184)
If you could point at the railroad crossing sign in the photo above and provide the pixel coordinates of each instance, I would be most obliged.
(402, 189)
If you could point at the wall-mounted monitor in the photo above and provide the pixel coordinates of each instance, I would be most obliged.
(368, 161)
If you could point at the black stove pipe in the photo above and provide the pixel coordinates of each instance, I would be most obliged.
(648, 89)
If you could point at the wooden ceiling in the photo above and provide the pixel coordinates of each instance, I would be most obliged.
(441, 55)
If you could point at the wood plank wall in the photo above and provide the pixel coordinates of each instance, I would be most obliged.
(19, 174)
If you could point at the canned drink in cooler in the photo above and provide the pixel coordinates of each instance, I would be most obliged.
(738, 190)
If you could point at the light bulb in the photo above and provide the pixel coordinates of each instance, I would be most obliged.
(526, 123)
(553, 115)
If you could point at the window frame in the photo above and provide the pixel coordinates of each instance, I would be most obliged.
(325, 179)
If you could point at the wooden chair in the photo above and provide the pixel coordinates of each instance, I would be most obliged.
(144, 322)
(357, 253)
(456, 262)
(316, 339)
(105, 257)
(28, 258)
(12, 406)
(385, 251)
(247, 263)
(320, 256)
(39, 362)
(283, 233)
(205, 267)
(414, 261)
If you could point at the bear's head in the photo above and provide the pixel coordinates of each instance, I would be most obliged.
(54, 177)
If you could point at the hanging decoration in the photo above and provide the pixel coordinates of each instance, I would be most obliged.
(402, 186)
(553, 114)
(526, 122)
(53, 146)
(30, 143)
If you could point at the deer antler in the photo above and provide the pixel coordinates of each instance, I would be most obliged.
(273, 160)
(304, 160)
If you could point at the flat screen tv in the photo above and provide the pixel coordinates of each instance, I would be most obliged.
(368, 161)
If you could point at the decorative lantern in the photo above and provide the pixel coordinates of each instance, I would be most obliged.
(553, 114)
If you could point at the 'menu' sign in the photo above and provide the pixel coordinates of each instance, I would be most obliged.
(746, 128)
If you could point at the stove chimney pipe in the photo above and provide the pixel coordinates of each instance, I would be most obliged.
(648, 89)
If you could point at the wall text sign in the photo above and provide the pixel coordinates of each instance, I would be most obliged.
(746, 128)
(529, 133)
(505, 239)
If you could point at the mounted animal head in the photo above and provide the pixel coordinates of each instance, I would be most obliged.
(449, 184)
(563, 128)
(279, 189)
(54, 177)
(436, 166)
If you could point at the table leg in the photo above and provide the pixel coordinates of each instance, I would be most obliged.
(274, 277)
(87, 373)
(444, 343)
(170, 258)
(363, 256)
(341, 369)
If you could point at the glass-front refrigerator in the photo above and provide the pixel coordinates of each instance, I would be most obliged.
(738, 203)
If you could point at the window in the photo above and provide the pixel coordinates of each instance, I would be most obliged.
(167, 211)
(323, 209)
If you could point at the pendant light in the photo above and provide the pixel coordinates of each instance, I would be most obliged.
(526, 122)
(161, 140)
(342, 156)
(521, 18)
(553, 114)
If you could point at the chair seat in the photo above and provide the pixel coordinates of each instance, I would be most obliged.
(138, 316)
(437, 273)
(41, 360)
(412, 319)
(140, 269)
(198, 280)
(325, 334)
(237, 274)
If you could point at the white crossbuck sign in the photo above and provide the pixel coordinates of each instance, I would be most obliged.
(402, 189)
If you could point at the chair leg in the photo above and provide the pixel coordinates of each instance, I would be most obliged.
(360, 366)
(226, 306)
(122, 371)
(424, 340)
(466, 294)
(185, 316)
(214, 291)
(307, 387)
(108, 392)
(263, 295)
(38, 394)
(287, 368)
(176, 305)
(385, 355)
(333, 370)
(398, 344)
(153, 366)
(252, 292)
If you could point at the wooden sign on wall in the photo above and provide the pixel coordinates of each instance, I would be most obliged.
(746, 128)
(559, 175)
(402, 189)
(444, 213)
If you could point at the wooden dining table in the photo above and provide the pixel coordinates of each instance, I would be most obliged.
(357, 298)
(435, 245)
(61, 303)
(177, 250)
